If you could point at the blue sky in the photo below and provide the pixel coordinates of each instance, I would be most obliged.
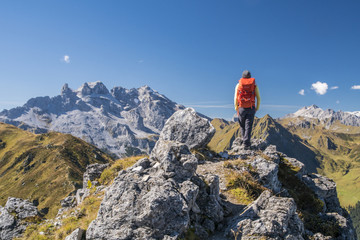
(192, 51)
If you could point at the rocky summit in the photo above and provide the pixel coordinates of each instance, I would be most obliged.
(122, 121)
(160, 196)
(182, 190)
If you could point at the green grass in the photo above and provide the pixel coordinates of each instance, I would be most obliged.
(44, 167)
(242, 186)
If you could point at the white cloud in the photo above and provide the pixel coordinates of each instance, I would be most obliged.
(140, 61)
(67, 59)
(337, 101)
(356, 87)
(319, 87)
(302, 92)
(334, 87)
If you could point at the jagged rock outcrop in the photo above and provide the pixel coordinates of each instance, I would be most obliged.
(15, 216)
(93, 171)
(275, 217)
(160, 197)
(120, 120)
(270, 216)
(77, 234)
(189, 128)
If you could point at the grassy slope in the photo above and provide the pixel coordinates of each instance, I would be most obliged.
(44, 167)
(339, 147)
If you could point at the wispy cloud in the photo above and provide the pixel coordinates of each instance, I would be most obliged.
(320, 87)
(334, 87)
(356, 87)
(302, 92)
(277, 107)
(66, 59)
(337, 101)
(140, 61)
(210, 105)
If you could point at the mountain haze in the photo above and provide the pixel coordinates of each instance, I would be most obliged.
(121, 121)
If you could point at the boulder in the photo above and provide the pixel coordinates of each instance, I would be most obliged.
(325, 189)
(174, 159)
(77, 234)
(268, 216)
(161, 197)
(147, 204)
(267, 173)
(22, 208)
(93, 171)
(14, 217)
(186, 126)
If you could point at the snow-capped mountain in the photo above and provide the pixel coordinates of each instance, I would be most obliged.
(329, 115)
(119, 120)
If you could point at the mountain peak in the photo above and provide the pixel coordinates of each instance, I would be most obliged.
(89, 88)
(312, 107)
(65, 89)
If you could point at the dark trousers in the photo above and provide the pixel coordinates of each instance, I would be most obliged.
(246, 119)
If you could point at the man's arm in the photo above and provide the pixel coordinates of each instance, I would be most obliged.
(235, 98)
(258, 100)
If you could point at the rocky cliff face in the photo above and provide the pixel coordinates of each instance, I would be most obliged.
(121, 120)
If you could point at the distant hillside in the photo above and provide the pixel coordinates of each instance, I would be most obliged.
(338, 148)
(331, 149)
(121, 121)
(44, 168)
(267, 129)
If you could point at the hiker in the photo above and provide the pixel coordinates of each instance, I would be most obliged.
(244, 100)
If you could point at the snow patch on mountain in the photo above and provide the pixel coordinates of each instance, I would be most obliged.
(115, 120)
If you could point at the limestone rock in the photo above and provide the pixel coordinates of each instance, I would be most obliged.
(270, 216)
(160, 197)
(77, 234)
(298, 165)
(22, 208)
(151, 209)
(174, 159)
(267, 173)
(12, 215)
(187, 127)
(93, 171)
(325, 189)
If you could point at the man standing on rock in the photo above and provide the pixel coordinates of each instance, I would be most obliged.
(244, 100)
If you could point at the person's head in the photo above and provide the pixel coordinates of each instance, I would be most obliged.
(246, 74)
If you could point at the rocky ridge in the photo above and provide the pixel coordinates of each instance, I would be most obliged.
(163, 196)
(122, 121)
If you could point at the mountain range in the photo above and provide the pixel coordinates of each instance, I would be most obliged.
(328, 116)
(120, 121)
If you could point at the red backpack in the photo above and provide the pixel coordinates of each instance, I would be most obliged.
(246, 93)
